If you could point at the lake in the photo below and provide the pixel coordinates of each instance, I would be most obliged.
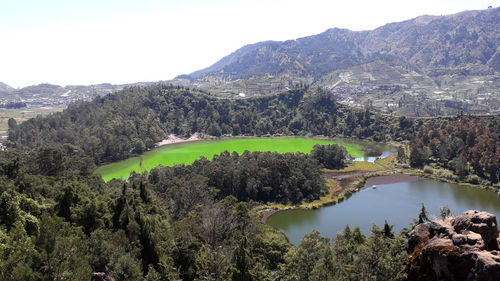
(398, 203)
(187, 153)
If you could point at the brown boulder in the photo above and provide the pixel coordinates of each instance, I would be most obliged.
(461, 248)
(482, 223)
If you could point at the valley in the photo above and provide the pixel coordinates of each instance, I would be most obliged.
(345, 155)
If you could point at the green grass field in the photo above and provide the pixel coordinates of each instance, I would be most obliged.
(25, 113)
(187, 153)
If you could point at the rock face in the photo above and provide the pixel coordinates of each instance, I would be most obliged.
(465, 247)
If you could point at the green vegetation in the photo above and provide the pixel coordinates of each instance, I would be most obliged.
(353, 256)
(198, 221)
(59, 221)
(468, 147)
(24, 113)
(258, 176)
(187, 153)
(130, 122)
(198, 217)
(330, 156)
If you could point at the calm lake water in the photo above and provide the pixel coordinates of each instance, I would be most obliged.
(397, 203)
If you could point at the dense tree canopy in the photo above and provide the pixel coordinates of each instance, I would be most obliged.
(330, 156)
(131, 121)
(257, 176)
(60, 221)
(466, 146)
(181, 222)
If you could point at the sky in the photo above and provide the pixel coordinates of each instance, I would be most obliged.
(82, 42)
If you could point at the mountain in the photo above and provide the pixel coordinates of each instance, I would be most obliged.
(434, 61)
(5, 88)
(49, 94)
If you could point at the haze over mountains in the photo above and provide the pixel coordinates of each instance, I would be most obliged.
(466, 41)
(48, 94)
(444, 63)
(430, 65)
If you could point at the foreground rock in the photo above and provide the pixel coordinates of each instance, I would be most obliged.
(465, 247)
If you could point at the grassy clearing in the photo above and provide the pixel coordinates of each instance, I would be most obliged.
(25, 113)
(388, 162)
(187, 153)
(361, 166)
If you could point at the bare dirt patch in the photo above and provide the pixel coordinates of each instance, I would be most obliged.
(395, 178)
(174, 139)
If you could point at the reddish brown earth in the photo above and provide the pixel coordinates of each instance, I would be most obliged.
(395, 178)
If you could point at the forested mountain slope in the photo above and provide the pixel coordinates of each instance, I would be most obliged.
(130, 121)
(443, 63)
(467, 41)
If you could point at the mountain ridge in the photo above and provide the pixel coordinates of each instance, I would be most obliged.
(5, 88)
(50, 94)
(369, 41)
(454, 56)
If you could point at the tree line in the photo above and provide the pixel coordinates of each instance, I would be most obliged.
(253, 176)
(59, 221)
(469, 147)
(131, 121)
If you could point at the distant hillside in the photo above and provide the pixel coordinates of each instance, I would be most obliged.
(435, 61)
(128, 122)
(5, 88)
(48, 94)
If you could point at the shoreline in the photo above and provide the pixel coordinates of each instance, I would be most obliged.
(173, 139)
(390, 179)
(368, 182)
(371, 181)
(268, 213)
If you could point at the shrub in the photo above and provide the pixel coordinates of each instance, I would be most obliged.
(473, 179)
(428, 169)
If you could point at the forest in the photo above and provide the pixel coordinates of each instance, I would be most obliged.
(131, 121)
(468, 147)
(61, 221)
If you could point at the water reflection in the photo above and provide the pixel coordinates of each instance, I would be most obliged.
(372, 159)
(399, 203)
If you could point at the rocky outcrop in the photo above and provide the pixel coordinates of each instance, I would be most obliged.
(465, 247)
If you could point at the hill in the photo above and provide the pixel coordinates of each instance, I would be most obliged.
(128, 122)
(5, 91)
(49, 94)
(5, 88)
(442, 63)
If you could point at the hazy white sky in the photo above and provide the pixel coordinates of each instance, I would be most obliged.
(69, 42)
